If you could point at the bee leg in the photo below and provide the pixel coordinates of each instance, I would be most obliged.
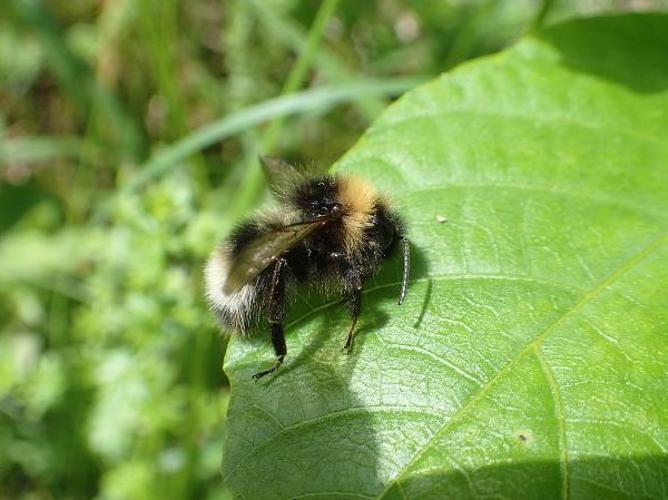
(354, 303)
(278, 340)
(276, 310)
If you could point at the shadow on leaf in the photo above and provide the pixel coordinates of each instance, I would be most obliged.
(590, 478)
(606, 55)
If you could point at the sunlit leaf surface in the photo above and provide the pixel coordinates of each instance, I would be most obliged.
(530, 359)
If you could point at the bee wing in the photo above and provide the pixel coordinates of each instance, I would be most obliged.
(281, 175)
(276, 167)
(261, 252)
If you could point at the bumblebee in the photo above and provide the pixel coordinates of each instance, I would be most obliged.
(329, 232)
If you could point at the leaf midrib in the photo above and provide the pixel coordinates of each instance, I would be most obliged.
(534, 344)
(555, 393)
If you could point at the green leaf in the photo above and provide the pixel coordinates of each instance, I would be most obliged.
(530, 359)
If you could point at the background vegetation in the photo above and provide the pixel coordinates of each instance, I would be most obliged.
(129, 132)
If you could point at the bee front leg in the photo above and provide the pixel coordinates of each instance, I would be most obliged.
(276, 314)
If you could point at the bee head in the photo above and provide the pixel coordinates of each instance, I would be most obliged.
(318, 197)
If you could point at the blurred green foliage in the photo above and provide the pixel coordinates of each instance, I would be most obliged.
(110, 378)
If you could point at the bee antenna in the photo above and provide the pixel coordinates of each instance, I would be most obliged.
(407, 268)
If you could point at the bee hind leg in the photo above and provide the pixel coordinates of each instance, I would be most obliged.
(276, 314)
(278, 340)
(354, 303)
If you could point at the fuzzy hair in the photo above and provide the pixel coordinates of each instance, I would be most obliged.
(234, 311)
(359, 199)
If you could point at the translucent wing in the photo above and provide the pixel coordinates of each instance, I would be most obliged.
(261, 252)
(281, 175)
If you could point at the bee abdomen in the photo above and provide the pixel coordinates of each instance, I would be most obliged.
(236, 312)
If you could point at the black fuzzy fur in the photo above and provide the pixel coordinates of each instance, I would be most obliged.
(319, 260)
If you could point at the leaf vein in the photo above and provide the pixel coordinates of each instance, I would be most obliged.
(440, 359)
(333, 415)
(602, 199)
(561, 422)
(446, 277)
(535, 343)
(546, 121)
